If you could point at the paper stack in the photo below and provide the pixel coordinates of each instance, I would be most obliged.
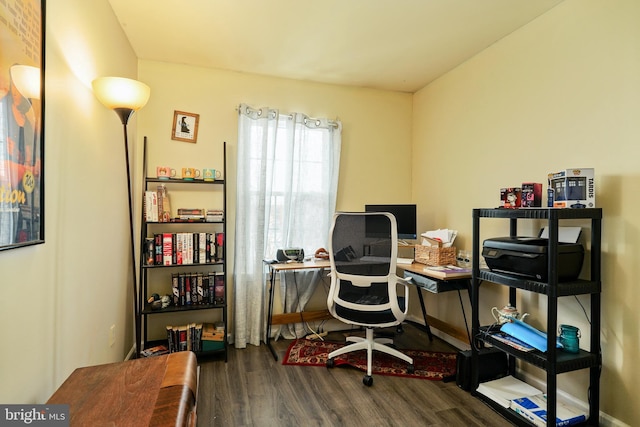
(504, 390)
(435, 237)
(534, 409)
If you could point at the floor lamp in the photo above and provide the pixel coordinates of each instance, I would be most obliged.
(125, 96)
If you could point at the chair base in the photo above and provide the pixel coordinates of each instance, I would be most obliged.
(370, 343)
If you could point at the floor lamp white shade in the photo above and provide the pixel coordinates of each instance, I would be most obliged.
(124, 96)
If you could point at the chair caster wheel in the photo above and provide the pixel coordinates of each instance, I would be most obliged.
(367, 380)
(411, 369)
(330, 363)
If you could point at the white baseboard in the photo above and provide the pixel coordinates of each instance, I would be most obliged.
(131, 353)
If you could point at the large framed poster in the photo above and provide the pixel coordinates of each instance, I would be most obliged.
(21, 123)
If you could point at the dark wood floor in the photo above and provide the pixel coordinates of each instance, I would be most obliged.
(254, 390)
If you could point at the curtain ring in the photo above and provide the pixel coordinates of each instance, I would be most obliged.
(259, 112)
(318, 122)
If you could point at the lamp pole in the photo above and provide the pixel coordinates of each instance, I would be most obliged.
(124, 114)
(124, 97)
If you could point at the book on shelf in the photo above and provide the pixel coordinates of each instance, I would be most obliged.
(505, 389)
(164, 206)
(215, 215)
(202, 248)
(149, 251)
(181, 338)
(157, 242)
(167, 249)
(505, 338)
(219, 246)
(175, 288)
(191, 213)
(150, 206)
(534, 409)
(218, 288)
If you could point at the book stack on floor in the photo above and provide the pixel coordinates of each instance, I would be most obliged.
(529, 402)
(213, 336)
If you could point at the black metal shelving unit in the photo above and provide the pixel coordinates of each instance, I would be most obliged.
(553, 361)
(144, 309)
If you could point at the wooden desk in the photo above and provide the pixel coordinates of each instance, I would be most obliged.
(286, 318)
(158, 391)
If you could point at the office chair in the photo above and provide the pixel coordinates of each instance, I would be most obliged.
(364, 284)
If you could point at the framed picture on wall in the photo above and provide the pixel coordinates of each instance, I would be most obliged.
(185, 126)
(22, 24)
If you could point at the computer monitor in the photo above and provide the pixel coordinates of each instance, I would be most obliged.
(406, 219)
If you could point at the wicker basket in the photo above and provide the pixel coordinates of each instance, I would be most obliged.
(433, 255)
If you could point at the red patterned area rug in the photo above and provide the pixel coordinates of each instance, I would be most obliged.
(429, 365)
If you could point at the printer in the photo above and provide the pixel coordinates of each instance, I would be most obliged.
(528, 257)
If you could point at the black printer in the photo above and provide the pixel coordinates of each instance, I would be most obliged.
(527, 256)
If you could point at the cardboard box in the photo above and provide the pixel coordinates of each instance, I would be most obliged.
(511, 197)
(573, 188)
(531, 195)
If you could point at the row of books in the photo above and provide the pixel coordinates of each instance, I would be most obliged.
(529, 402)
(195, 337)
(183, 248)
(157, 208)
(197, 288)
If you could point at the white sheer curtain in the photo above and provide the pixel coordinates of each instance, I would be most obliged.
(287, 184)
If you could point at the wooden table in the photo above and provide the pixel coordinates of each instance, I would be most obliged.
(158, 391)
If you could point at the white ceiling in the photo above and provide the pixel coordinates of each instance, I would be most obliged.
(397, 45)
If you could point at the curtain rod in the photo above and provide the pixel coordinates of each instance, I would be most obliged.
(331, 123)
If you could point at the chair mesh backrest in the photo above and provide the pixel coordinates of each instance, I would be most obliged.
(363, 250)
(359, 237)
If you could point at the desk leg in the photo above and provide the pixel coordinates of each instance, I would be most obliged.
(272, 281)
(424, 313)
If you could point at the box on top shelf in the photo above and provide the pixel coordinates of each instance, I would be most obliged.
(531, 195)
(510, 197)
(573, 188)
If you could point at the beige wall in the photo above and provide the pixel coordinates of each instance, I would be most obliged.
(376, 140)
(59, 299)
(562, 92)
